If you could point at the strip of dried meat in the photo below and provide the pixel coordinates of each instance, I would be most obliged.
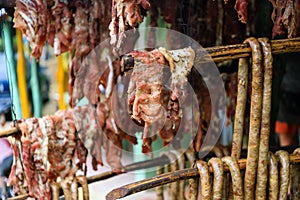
(126, 14)
(145, 92)
(32, 18)
(241, 8)
(286, 17)
(150, 102)
(59, 30)
(51, 152)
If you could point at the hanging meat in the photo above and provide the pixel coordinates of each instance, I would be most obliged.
(59, 29)
(80, 47)
(72, 26)
(53, 148)
(150, 101)
(126, 14)
(32, 18)
(286, 17)
(181, 62)
(66, 25)
(205, 107)
(241, 8)
(145, 92)
(50, 152)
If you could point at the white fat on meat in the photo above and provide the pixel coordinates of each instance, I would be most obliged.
(42, 152)
(110, 78)
(181, 62)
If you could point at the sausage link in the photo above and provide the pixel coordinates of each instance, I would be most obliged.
(255, 119)
(237, 185)
(193, 182)
(225, 150)
(204, 179)
(225, 186)
(66, 189)
(173, 167)
(85, 187)
(273, 177)
(295, 178)
(218, 151)
(284, 166)
(181, 165)
(159, 189)
(74, 189)
(217, 168)
(229, 187)
(241, 101)
(54, 190)
(261, 185)
(296, 151)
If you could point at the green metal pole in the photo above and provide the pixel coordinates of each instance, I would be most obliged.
(35, 89)
(11, 66)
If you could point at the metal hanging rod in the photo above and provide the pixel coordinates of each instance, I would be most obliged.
(236, 51)
(222, 53)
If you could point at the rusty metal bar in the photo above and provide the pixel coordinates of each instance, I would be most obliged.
(236, 51)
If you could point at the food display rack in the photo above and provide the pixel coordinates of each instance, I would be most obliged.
(216, 54)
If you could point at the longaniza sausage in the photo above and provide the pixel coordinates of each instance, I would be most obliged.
(295, 178)
(204, 179)
(273, 177)
(193, 183)
(241, 101)
(284, 166)
(218, 171)
(159, 189)
(295, 181)
(65, 186)
(218, 152)
(173, 167)
(229, 187)
(74, 189)
(262, 177)
(84, 184)
(237, 184)
(296, 151)
(255, 119)
(54, 190)
(181, 165)
(226, 186)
